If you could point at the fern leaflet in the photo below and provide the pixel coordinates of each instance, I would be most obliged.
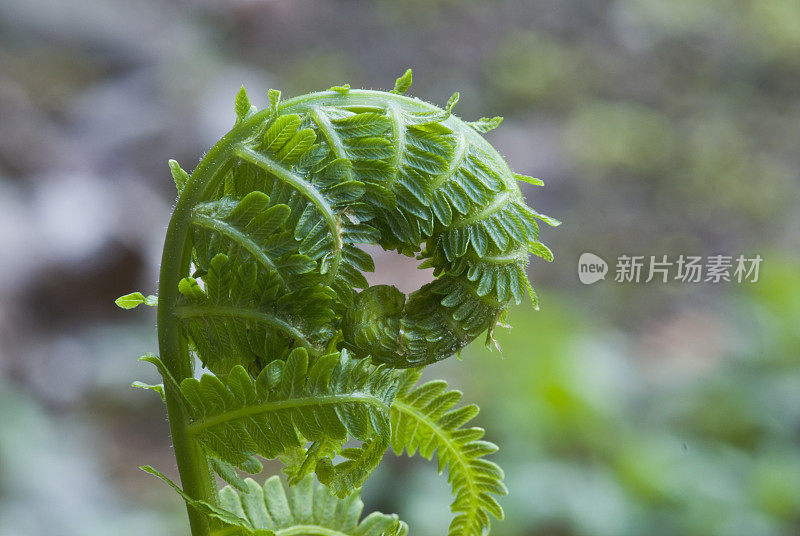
(306, 509)
(423, 419)
(289, 404)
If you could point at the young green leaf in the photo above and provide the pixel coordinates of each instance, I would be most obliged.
(242, 104)
(274, 97)
(134, 299)
(402, 84)
(343, 89)
(530, 180)
(486, 124)
(178, 175)
(158, 388)
(451, 102)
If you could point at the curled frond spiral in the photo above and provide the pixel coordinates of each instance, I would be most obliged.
(307, 181)
(262, 280)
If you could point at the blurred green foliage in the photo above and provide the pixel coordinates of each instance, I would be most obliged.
(527, 69)
(617, 137)
(594, 443)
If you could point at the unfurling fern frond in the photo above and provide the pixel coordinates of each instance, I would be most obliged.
(356, 167)
(289, 404)
(424, 419)
(263, 280)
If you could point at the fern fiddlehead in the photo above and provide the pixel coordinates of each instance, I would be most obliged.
(262, 279)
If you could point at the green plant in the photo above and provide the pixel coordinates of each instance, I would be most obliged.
(259, 281)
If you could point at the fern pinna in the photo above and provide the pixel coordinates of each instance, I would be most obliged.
(262, 280)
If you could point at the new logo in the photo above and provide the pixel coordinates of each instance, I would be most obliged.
(591, 268)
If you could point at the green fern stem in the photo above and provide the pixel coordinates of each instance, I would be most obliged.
(196, 476)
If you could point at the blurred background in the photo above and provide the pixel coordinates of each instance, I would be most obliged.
(659, 128)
